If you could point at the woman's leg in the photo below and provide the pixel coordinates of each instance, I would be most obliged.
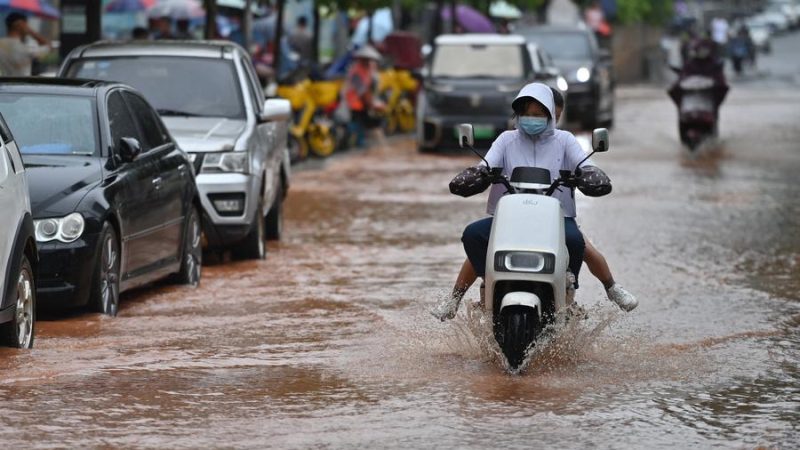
(575, 245)
(597, 265)
(466, 276)
(476, 241)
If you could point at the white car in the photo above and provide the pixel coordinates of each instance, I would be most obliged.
(18, 256)
(776, 19)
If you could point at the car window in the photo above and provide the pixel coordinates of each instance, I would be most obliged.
(151, 128)
(495, 61)
(120, 120)
(51, 124)
(567, 45)
(175, 86)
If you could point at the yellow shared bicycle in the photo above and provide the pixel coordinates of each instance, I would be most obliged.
(398, 87)
(312, 130)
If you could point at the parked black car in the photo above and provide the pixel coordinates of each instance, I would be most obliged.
(587, 68)
(113, 198)
(472, 78)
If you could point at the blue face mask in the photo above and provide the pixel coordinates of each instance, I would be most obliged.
(533, 125)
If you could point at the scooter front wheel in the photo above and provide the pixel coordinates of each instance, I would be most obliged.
(520, 326)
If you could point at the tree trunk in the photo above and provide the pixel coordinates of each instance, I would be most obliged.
(211, 19)
(453, 19)
(276, 41)
(437, 21)
(247, 23)
(315, 35)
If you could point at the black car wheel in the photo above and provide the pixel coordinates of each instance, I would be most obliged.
(19, 332)
(192, 259)
(254, 246)
(275, 217)
(105, 284)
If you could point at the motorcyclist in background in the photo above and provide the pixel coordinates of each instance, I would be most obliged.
(703, 59)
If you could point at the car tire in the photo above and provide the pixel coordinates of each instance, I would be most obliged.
(192, 256)
(274, 224)
(104, 295)
(254, 246)
(19, 332)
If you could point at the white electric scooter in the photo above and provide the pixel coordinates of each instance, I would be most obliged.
(527, 279)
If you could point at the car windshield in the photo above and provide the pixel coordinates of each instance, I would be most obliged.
(51, 124)
(175, 86)
(572, 46)
(478, 61)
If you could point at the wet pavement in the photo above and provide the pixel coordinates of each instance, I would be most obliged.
(328, 342)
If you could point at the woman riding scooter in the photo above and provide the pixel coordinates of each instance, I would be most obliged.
(535, 143)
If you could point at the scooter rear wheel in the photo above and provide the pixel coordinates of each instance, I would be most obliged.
(321, 141)
(520, 327)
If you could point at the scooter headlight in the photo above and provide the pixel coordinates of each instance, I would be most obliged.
(532, 262)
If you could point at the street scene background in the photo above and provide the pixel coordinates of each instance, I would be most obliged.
(328, 342)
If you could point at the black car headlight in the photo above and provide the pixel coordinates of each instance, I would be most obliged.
(531, 262)
(65, 229)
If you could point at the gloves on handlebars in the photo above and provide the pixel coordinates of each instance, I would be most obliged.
(471, 181)
(593, 182)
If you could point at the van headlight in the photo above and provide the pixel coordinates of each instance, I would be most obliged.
(65, 229)
(583, 74)
(225, 162)
(532, 262)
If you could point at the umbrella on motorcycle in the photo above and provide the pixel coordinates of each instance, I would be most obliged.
(127, 6)
(504, 10)
(470, 19)
(181, 9)
(39, 8)
(382, 25)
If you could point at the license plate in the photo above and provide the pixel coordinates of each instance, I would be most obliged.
(480, 131)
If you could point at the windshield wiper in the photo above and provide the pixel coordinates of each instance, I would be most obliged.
(175, 112)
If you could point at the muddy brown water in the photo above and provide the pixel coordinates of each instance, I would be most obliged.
(328, 342)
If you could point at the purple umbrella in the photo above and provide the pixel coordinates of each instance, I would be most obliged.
(470, 19)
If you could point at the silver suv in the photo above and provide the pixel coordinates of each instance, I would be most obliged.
(18, 256)
(209, 97)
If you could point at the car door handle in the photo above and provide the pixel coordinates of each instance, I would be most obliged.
(157, 182)
(182, 170)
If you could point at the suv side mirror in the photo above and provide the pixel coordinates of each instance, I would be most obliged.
(276, 109)
(600, 140)
(466, 136)
(129, 149)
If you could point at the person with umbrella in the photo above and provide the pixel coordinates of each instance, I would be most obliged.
(360, 93)
(16, 57)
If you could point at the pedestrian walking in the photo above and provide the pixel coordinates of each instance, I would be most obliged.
(361, 93)
(301, 41)
(16, 56)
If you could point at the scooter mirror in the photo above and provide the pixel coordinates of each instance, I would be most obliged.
(466, 137)
(600, 140)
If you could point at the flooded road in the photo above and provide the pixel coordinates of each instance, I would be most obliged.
(328, 343)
